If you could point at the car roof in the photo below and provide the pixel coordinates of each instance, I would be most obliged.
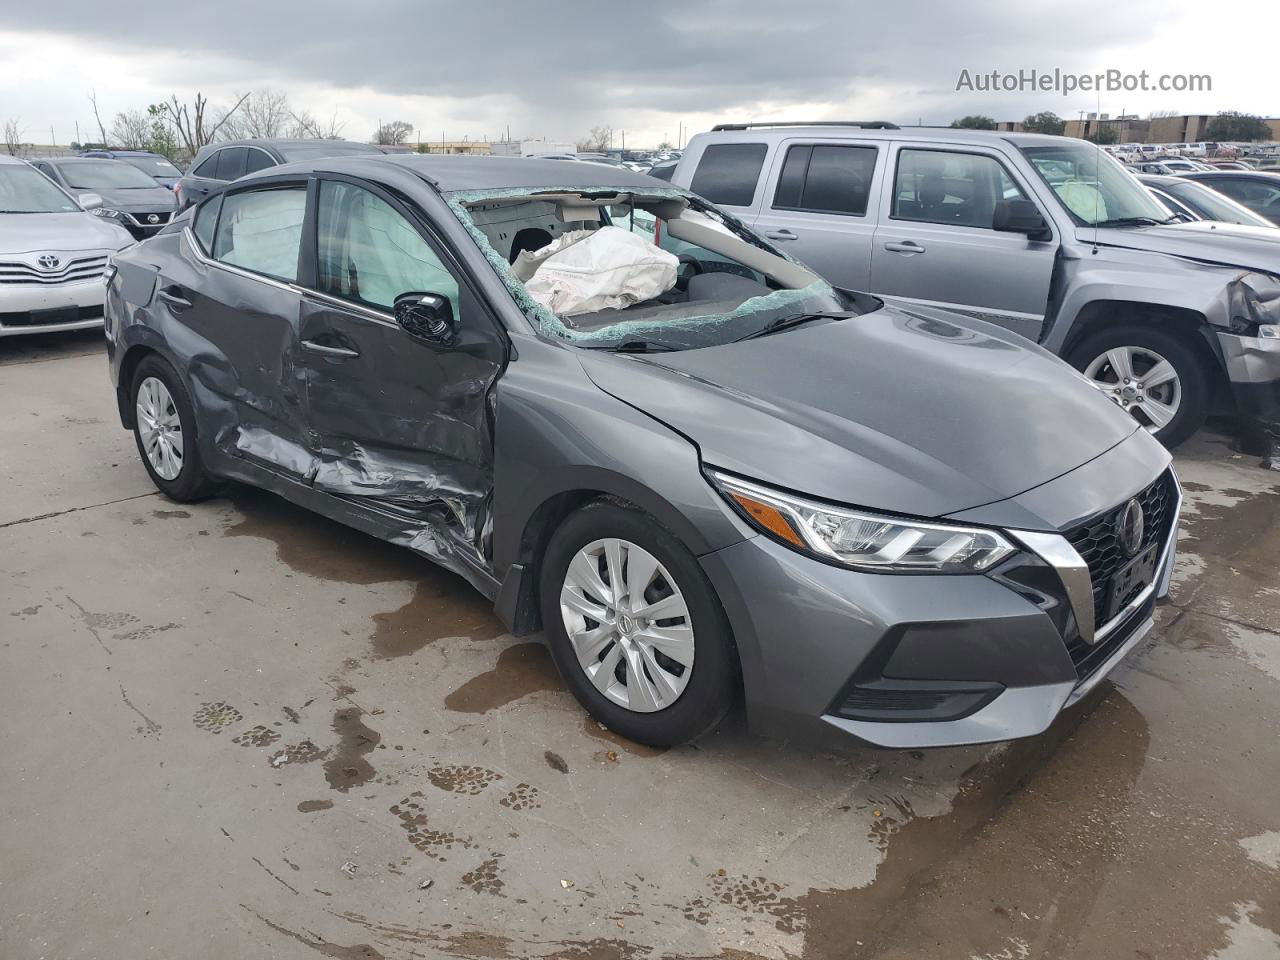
(449, 173)
(1158, 179)
(278, 142)
(834, 131)
(6, 159)
(110, 154)
(62, 160)
(1262, 175)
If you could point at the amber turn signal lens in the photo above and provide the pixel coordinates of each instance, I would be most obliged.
(771, 518)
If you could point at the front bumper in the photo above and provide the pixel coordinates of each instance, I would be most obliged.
(48, 308)
(818, 643)
(1253, 367)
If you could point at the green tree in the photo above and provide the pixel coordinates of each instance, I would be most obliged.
(1044, 122)
(1233, 125)
(974, 122)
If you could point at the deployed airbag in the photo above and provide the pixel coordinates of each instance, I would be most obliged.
(589, 270)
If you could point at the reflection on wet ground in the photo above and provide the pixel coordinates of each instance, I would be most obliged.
(364, 766)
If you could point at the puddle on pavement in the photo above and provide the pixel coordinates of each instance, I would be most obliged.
(309, 543)
(347, 766)
(521, 669)
(443, 605)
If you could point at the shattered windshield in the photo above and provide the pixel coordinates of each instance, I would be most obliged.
(660, 270)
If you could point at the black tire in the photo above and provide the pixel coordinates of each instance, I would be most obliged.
(713, 683)
(1193, 378)
(193, 481)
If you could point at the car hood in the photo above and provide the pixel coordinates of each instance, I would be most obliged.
(1207, 241)
(28, 232)
(909, 411)
(157, 199)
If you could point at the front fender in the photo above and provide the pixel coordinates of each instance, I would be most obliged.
(1116, 275)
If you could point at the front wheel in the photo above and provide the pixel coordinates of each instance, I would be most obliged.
(1154, 375)
(634, 626)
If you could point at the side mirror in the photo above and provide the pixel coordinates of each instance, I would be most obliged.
(426, 316)
(1018, 215)
(89, 201)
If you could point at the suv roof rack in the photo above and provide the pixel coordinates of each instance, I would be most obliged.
(864, 124)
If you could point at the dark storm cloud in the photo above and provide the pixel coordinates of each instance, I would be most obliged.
(599, 60)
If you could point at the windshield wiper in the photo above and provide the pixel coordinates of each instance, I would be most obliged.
(792, 320)
(637, 346)
(1135, 222)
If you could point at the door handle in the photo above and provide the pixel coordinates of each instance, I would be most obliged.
(174, 298)
(782, 234)
(906, 246)
(343, 353)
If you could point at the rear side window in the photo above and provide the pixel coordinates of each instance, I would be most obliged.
(826, 178)
(257, 160)
(231, 163)
(727, 173)
(959, 189)
(206, 218)
(261, 230)
(208, 167)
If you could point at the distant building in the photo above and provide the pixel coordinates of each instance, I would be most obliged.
(1127, 129)
(529, 148)
(475, 148)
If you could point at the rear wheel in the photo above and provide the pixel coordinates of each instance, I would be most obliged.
(165, 432)
(635, 627)
(1154, 375)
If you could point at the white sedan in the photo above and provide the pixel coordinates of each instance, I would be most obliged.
(52, 255)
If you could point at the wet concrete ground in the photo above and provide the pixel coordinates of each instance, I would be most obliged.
(236, 729)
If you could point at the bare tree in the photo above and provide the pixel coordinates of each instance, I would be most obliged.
(265, 113)
(102, 130)
(13, 136)
(394, 133)
(305, 125)
(131, 130)
(191, 123)
(597, 141)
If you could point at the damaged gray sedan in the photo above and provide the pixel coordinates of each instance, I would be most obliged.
(699, 469)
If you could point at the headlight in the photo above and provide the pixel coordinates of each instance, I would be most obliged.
(862, 540)
(108, 213)
(1254, 300)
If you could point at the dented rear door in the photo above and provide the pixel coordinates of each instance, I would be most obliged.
(238, 297)
(400, 423)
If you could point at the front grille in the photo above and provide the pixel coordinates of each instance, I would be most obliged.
(141, 218)
(68, 271)
(1098, 543)
(40, 318)
(1088, 659)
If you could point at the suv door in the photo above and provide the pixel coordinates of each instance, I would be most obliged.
(934, 243)
(820, 201)
(400, 422)
(240, 300)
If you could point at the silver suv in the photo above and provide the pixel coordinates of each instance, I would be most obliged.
(1046, 236)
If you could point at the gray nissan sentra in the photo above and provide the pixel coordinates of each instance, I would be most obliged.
(697, 468)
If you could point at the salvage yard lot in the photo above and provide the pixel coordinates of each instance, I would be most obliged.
(237, 729)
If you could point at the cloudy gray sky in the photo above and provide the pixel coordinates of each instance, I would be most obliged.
(555, 69)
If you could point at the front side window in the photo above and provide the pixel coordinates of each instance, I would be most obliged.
(958, 189)
(826, 178)
(24, 189)
(727, 173)
(257, 160)
(368, 253)
(261, 230)
(1093, 187)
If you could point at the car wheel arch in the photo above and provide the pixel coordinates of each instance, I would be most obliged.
(1099, 314)
(517, 602)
